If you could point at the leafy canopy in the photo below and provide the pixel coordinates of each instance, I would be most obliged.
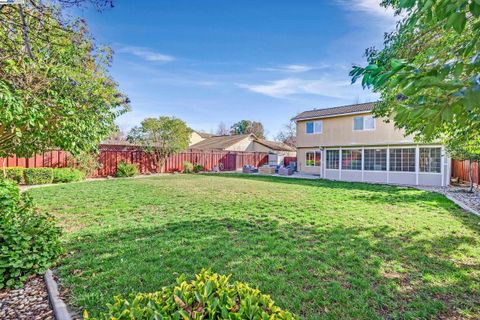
(248, 126)
(55, 89)
(162, 137)
(428, 73)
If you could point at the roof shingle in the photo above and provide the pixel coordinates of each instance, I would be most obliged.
(331, 112)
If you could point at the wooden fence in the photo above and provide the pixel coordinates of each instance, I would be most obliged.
(460, 170)
(111, 155)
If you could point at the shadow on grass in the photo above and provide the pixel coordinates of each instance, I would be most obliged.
(317, 273)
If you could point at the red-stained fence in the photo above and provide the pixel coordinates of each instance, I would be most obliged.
(460, 170)
(111, 155)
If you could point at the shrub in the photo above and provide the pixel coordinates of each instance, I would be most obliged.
(198, 168)
(15, 174)
(38, 175)
(30, 242)
(209, 296)
(126, 169)
(187, 167)
(9, 196)
(87, 162)
(67, 175)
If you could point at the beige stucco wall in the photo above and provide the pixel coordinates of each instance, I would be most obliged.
(301, 159)
(338, 131)
(243, 145)
(195, 138)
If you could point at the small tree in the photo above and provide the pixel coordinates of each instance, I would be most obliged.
(288, 135)
(465, 150)
(222, 129)
(161, 137)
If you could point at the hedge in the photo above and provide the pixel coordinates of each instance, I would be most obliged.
(38, 175)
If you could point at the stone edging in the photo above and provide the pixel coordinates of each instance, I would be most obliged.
(59, 307)
(462, 205)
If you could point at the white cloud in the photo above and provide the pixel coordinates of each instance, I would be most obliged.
(291, 86)
(147, 54)
(291, 68)
(371, 7)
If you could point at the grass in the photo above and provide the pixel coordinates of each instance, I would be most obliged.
(322, 249)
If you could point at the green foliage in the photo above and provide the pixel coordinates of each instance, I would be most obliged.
(85, 161)
(55, 88)
(428, 73)
(15, 174)
(248, 126)
(208, 296)
(161, 137)
(126, 169)
(187, 167)
(29, 239)
(38, 175)
(9, 196)
(67, 175)
(198, 168)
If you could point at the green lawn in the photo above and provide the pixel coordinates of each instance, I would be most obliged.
(321, 249)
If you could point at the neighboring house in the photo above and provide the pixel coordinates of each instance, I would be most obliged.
(196, 137)
(348, 143)
(242, 142)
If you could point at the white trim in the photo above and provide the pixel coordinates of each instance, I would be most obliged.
(388, 164)
(417, 164)
(332, 116)
(442, 165)
(363, 164)
(340, 152)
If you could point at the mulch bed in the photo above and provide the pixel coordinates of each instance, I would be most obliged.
(28, 303)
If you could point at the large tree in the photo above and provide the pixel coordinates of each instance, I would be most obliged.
(428, 72)
(55, 89)
(248, 126)
(161, 137)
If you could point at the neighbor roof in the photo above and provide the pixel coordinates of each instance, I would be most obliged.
(204, 135)
(336, 111)
(219, 142)
(277, 146)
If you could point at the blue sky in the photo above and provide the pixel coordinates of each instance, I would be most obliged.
(215, 61)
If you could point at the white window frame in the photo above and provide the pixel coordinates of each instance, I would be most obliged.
(319, 122)
(339, 159)
(315, 152)
(441, 159)
(403, 147)
(386, 158)
(352, 149)
(364, 121)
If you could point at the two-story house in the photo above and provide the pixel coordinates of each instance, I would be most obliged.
(348, 143)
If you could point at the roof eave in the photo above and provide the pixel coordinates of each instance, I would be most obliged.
(331, 116)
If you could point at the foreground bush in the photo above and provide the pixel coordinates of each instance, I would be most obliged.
(64, 175)
(198, 168)
(38, 175)
(187, 167)
(29, 240)
(15, 174)
(126, 170)
(209, 296)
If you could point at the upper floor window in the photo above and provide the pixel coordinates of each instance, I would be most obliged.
(364, 123)
(314, 127)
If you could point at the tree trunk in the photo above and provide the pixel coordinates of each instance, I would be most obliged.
(470, 175)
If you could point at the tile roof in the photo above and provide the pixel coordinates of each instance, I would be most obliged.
(331, 112)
